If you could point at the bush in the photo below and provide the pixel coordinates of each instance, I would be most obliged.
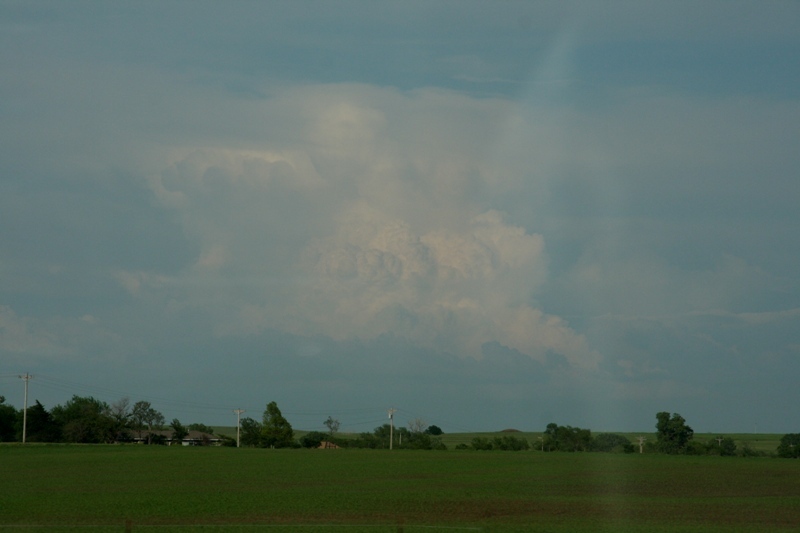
(510, 443)
(746, 450)
(693, 448)
(612, 443)
(789, 446)
(504, 443)
(721, 446)
(227, 441)
(159, 440)
(566, 439)
(313, 439)
(481, 443)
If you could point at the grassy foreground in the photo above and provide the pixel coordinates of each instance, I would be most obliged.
(141, 488)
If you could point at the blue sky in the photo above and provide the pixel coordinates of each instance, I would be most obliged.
(486, 215)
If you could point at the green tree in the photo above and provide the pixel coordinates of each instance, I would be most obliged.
(313, 439)
(227, 441)
(611, 442)
(481, 443)
(434, 430)
(333, 426)
(720, 445)
(8, 421)
(276, 431)
(694, 447)
(250, 432)
(673, 434)
(403, 438)
(41, 425)
(179, 431)
(120, 413)
(789, 446)
(418, 441)
(144, 416)
(382, 435)
(85, 420)
(566, 439)
(202, 428)
(510, 443)
(746, 450)
(379, 438)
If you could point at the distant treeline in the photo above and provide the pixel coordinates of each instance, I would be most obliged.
(84, 419)
(673, 436)
(88, 420)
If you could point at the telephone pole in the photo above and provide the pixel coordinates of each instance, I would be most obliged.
(238, 424)
(641, 443)
(391, 426)
(26, 378)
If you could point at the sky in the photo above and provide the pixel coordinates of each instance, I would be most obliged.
(486, 215)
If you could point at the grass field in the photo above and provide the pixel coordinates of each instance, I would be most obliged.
(143, 488)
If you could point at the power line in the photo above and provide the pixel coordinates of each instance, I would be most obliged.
(360, 417)
(72, 386)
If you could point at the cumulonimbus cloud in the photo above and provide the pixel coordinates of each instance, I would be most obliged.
(368, 230)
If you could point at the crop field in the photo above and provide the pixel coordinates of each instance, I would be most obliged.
(156, 488)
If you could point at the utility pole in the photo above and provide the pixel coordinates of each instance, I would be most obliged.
(391, 426)
(641, 443)
(26, 378)
(238, 424)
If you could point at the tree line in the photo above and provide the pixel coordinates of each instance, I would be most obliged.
(673, 436)
(84, 419)
(274, 431)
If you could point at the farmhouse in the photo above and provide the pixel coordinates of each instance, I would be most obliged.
(193, 438)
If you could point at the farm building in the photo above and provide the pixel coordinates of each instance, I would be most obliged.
(193, 438)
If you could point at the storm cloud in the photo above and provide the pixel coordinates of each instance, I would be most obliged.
(501, 216)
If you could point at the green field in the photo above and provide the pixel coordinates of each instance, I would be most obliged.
(158, 488)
